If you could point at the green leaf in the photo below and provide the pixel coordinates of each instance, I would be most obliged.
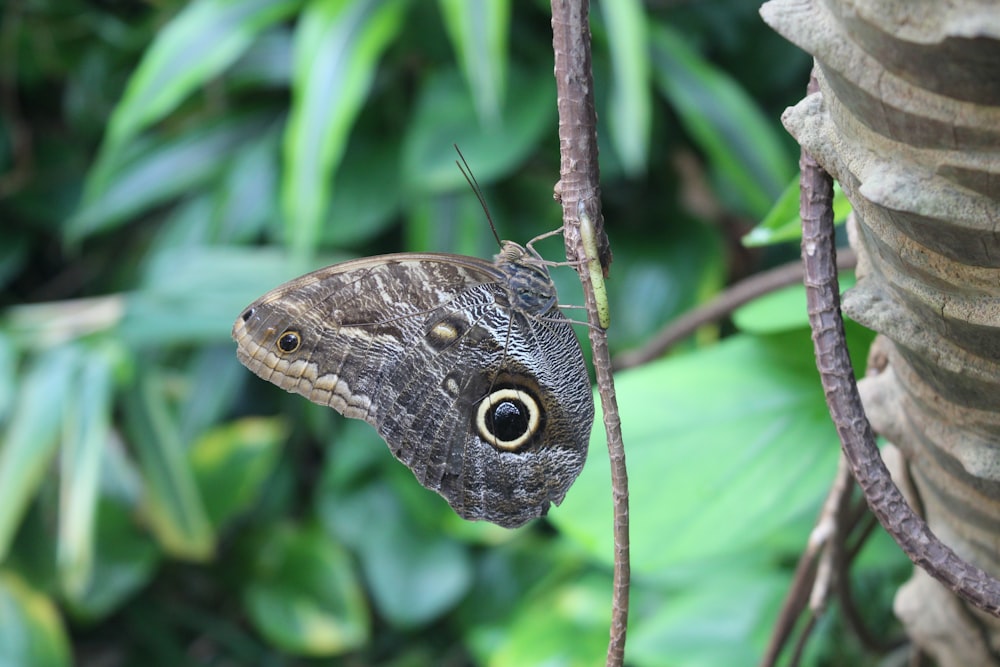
(415, 572)
(29, 442)
(86, 432)
(198, 44)
(631, 99)
(31, 632)
(367, 195)
(125, 559)
(8, 375)
(446, 115)
(152, 171)
(231, 463)
(337, 47)
(782, 223)
(727, 446)
(211, 285)
(171, 502)
(478, 32)
(372, 503)
(783, 310)
(742, 146)
(304, 596)
(563, 625)
(698, 625)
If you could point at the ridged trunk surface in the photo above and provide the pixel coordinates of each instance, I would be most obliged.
(908, 121)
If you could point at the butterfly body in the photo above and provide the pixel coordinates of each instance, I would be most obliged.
(466, 368)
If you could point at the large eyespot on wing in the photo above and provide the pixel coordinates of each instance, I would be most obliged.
(509, 419)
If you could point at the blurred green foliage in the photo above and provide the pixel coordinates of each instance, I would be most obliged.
(164, 164)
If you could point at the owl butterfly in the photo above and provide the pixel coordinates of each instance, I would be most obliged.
(466, 368)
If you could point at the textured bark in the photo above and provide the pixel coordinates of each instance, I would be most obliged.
(908, 120)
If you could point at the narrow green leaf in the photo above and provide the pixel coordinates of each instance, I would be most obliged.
(631, 98)
(368, 194)
(478, 32)
(445, 115)
(337, 47)
(199, 43)
(85, 433)
(152, 171)
(304, 595)
(210, 285)
(31, 631)
(8, 375)
(29, 443)
(171, 502)
(742, 146)
(125, 560)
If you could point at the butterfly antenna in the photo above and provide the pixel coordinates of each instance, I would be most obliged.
(466, 170)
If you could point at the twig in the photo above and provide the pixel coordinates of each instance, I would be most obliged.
(808, 589)
(724, 303)
(579, 191)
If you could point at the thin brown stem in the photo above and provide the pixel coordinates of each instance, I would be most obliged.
(579, 191)
(724, 303)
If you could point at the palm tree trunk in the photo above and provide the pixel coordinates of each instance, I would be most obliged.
(908, 121)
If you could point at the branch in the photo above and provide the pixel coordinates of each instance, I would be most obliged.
(579, 191)
(722, 305)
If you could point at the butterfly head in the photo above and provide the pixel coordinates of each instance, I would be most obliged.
(529, 284)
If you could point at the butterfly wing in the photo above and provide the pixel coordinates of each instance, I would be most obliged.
(427, 349)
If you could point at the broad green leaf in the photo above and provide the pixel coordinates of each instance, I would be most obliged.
(742, 146)
(232, 461)
(782, 223)
(304, 595)
(478, 32)
(337, 47)
(415, 571)
(726, 447)
(372, 503)
(171, 503)
(151, 171)
(701, 625)
(562, 625)
(86, 431)
(445, 115)
(29, 441)
(31, 632)
(631, 103)
(198, 44)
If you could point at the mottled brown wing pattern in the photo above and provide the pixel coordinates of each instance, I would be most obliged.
(487, 404)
